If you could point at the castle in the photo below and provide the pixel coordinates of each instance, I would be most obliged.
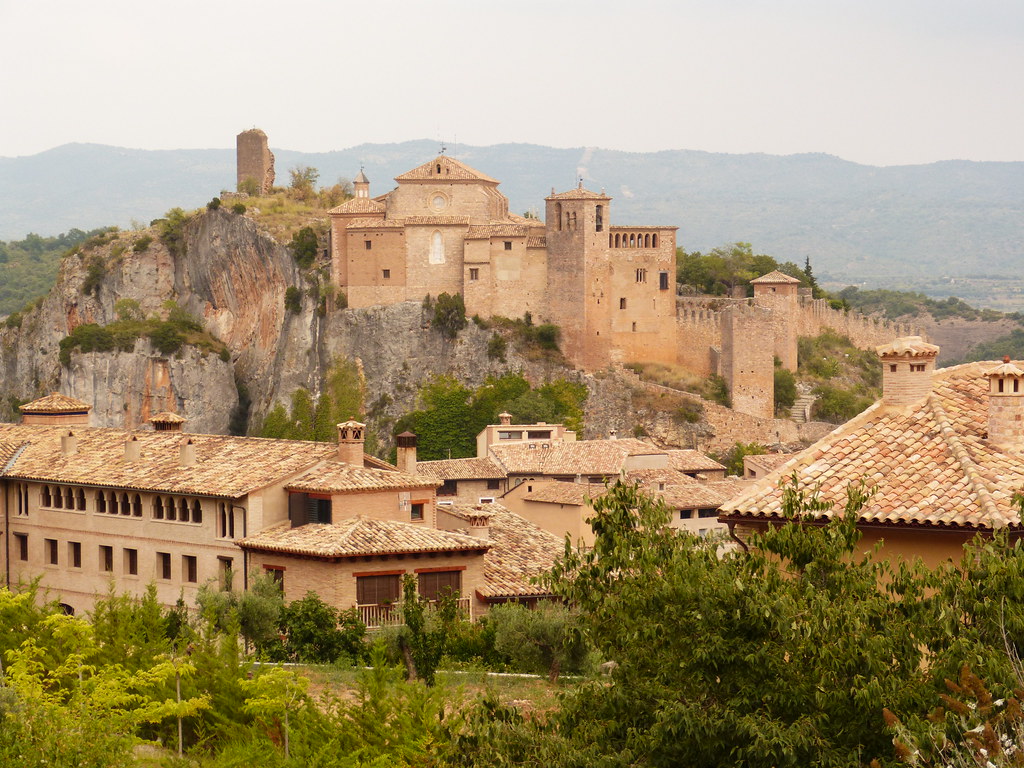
(447, 229)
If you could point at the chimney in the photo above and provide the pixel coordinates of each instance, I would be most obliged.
(406, 453)
(132, 449)
(907, 367)
(187, 453)
(167, 422)
(505, 418)
(69, 444)
(613, 434)
(351, 435)
(479, 523)
(1006, 407)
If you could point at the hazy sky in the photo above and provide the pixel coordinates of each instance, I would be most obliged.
(881, 82)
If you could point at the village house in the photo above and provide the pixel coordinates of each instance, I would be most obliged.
(86, 508)
(940, 452)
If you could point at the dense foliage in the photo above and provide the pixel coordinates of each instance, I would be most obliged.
(729, 269)
(28, 267)
(167, 334)
(451, 415)
(340, 399)
(896, 304)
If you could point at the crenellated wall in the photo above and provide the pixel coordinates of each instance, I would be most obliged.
(815, 315)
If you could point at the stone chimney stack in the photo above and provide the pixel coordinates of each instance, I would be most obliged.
(907, 367)
(351, 437)
(69, 444)
(187, 453)
(479, 523)
(505, 418)
(167, 422)
(1006, 407)
(132, 449)
(406, 453)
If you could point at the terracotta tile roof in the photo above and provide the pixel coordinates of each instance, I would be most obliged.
(360, 536)
(55, 402)
(526, 222)
(907, 346)
(358, 205)
(697, 495)
(166, 417)
(437, 221)
(931, 462)
(686, 460)
(585, 457)
(7, 453)
(536, 242)
(495, 229)
(770, 461)
(774, 277)
(561, 492)
(339, 477)
(580, 193)
(451, 170)
(225, 466)
(461, 469)
(519, 551)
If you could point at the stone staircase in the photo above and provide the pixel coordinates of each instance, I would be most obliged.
(801, 410)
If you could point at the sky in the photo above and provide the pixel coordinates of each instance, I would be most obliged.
(878, 82)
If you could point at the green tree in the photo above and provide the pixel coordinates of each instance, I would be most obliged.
(424, 640)
(304, 246)
(785, 388)
(319, 633)
(303, 181)
(450, 314)
(544, 640)
(275, 694)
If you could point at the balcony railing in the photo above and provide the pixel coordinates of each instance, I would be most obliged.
(377, 616)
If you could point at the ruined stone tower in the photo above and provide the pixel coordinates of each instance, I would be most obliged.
(254, 159)
(778, 292)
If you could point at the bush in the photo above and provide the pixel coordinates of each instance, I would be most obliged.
(315, 632)
(717, 391)
(88, 337)
(450, 314)
(304, 245)
(733, 460)
(238, 208)
(166, 338)
(689, 412)
(545, 640)
(142, 243)
(249, 186)
(13, 320)
(341, 301)
(96, 270)
(546, 335)
(171, 230)
(496, 347)
(836, 405)
(293, 299)
(785, 388)
(213, 205)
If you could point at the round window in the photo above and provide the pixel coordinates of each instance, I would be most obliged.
(438, 202)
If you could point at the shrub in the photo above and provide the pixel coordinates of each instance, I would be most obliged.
(171, 229)
(496, 347)
(238, 208)
(341, 302)
(304, 246)
(837, 405)
(450, 314)
(785, 388)
(733, 460)
(293, 299)
(13, 320)
(249, 186)
(142, 243)
(545, 640)
(213, 205)
(88, 337)
(546, 335)
(95, 271)
(166, 338)
(717, 390)
(316, 632)
(689, 412)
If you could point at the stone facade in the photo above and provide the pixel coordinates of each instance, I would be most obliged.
(447, 229)
(254, 159)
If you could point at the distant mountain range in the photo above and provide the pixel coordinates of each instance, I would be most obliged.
(904, 226)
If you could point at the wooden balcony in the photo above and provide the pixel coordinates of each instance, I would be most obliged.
(377, 616)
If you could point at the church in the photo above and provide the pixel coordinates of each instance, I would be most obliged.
(445, 228)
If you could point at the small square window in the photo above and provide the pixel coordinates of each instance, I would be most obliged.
(386, 273)
(474, 273)
(75, 554)
(508, 245)
(622, 303)
(106, 558)
(189, 568)
(131, 562)
(51, 551)
(494, 485)
(663, 281)
(416, 512)
(22, 540)
(892, 368)
(368, 244)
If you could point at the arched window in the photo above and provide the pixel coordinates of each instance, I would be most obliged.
(436, 248)
(172, 509)
(158, 508)
(438, 167)
(616, 239)
(599, 218)
(647, 241)
(610, 240)
(632, 240)
(113, 503)
(183, 510)
(80, 500)
(197, 511)
(137, 506)
(654, 240)
(47, 500)
(126, 505)
(101, 502)
(558, 215)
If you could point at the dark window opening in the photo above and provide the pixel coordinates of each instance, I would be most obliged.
(197, 511)
(416, 511)
(131, 562)
(225, 573)
(622, 303)
(368, 244)
(436, 584)
(600, 218)
(51, 551)
(508, 245)
(663, 281)
(22, 539)
(474, 273)
(163, 564)
(190, 568)
(707, 513)
(277, 574)
(106, 558)
(75, 554)
(494, 485)
(448, 488)
(377, 590)
(386, 274)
